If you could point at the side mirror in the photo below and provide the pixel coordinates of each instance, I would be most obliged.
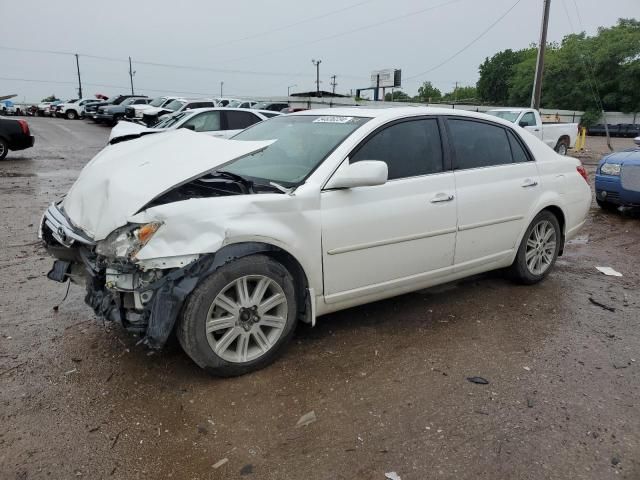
(366, 173)
(189, 127)
(523, 124)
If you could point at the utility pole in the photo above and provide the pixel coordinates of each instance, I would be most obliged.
(79, 80)
(221, 84)
(333, 83)
(317, 64)
(289, 89)
(131, 74)
(455, 94)
(537, 81)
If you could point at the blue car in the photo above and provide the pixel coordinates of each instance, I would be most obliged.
(618, 179)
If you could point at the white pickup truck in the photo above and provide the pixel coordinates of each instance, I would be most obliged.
(559, 136)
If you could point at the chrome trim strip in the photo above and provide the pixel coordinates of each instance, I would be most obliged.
(471, 226)
(390, 241)
(61, 229)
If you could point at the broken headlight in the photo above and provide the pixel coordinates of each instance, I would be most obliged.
(127, 241)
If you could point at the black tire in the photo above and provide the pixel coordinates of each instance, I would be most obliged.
(4, 149)
(608, 206)
(115, 120)
(191, 330)
(562, 147)
(519, 271)
(71, 115)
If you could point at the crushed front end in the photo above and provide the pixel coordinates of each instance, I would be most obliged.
(144, 299)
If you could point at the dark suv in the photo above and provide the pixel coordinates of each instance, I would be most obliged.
(90, 110)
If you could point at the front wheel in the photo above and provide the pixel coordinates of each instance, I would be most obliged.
(240, 318)
(71, 115)
(538, 250)
(4, 148)
(611, 207)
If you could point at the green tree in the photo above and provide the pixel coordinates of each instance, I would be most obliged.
(496, 72)
(398, 96)
(461, 94)
(50, 98)
(582, 72)
(428, 93)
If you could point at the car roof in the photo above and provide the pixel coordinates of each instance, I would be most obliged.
(391, 113)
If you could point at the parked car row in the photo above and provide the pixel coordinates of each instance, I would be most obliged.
(221, 122)
(628, 130)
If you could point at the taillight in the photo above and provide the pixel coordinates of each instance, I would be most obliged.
(24, 126)
(583, 173)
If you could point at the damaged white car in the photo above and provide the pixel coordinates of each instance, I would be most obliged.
(231, 242)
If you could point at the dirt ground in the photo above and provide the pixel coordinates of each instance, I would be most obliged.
(387, 381)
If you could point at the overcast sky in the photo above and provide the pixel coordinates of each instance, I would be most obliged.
(259, 48)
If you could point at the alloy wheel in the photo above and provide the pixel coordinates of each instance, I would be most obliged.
(541, 247)
(246, 318)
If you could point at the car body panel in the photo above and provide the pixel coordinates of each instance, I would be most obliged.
(354, 246)
(622, 189)
(124, 177)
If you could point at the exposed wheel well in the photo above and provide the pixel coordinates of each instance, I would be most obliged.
(564, 139)
(557, 211)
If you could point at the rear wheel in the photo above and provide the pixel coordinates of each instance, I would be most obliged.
(71, 115)
(562, 147)
(539, 249)
(240, 318)
(4, 148)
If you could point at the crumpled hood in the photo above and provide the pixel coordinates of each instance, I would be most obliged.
(124, 177)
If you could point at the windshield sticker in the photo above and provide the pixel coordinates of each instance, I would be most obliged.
(333, 119)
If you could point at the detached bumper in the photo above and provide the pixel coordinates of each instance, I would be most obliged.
(145, 302)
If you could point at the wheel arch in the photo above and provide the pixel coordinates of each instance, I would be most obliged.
(289, 261)
(559, 214)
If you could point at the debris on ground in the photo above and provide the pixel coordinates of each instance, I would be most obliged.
(601, 305)
(220, 463)
(306, 419)
(527, 369)
(392, 476)
(478, 380)
(615, 460)
(247, 469)
(202, 429)
(609, 271)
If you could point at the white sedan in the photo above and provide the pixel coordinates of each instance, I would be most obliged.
(231, 242)
(218, 122)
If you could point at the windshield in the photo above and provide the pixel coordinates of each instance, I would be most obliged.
(301, 144)
(129, 101)
(171, 120)
(234, 103)
(174, 105)
(508, 115)
(74, 100)
(260, 106)
(156, 102)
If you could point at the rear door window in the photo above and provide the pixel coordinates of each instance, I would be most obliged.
(478, 144)
(236, 120)
(204, 122)
(409, 148)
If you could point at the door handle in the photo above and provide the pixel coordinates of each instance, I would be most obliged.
(442, 197)
(529, 183)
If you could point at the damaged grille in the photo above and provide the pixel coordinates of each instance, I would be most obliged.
(61, 229)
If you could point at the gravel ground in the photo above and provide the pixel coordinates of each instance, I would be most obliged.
(387, 381)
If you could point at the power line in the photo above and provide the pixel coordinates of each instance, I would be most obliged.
(482, 34)
(291, 25)
(347, 32)
(165, 65)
